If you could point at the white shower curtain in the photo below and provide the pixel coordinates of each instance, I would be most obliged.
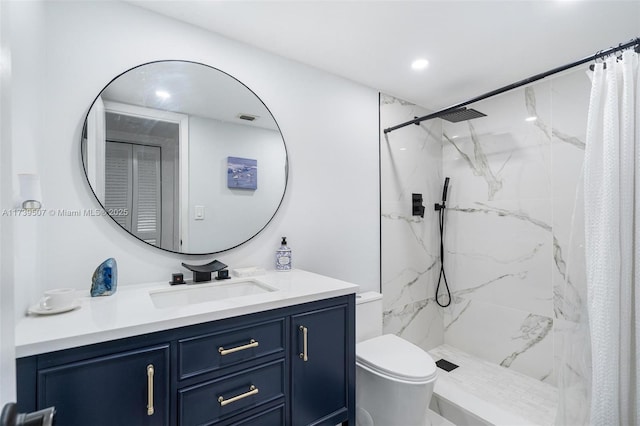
(612, 233)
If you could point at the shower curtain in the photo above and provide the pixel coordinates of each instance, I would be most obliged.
(612, 237)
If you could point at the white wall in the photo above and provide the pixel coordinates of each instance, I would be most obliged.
(7, 352)
(329, 214)
(232, 216)
(21, 134)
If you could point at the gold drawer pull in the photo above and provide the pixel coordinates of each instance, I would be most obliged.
(252, 391)
(252, 344)
(150, 390)
(304, 355)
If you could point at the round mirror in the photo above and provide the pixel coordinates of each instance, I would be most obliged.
(184, 157)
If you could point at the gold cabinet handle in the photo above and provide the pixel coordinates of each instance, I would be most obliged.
(304, 355)
(252, 391)
(252, 344)
(150, 390)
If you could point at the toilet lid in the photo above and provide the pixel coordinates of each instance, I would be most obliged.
(395, 357)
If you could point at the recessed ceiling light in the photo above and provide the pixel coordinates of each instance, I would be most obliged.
(532, 118)
(163, 94)
(419, 64)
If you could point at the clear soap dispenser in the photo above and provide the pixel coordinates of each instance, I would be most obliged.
(283, 256)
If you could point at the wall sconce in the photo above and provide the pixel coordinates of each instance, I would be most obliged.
(30, 191)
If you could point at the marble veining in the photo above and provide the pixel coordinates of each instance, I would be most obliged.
(533, 329)
(478, 257)
(530, 101)
(504, 260)
(419, 322)
(415, 222)
(564, 305)
(390, 100)
(480, 163)
(396, 216)
(458, 293)
(409, 312)
(457, 300)
(516, 214)
(415, 279)
(571, 140)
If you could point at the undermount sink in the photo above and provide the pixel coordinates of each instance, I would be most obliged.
(199, 293)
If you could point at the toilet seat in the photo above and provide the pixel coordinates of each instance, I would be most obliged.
(396, 358)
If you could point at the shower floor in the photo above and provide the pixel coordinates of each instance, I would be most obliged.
(482, 392)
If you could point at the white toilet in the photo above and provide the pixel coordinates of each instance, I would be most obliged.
(394, 378)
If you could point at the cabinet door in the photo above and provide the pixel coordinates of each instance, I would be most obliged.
(319, 365)
(129, 388)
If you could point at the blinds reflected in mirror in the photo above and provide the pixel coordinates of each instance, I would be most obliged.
(118, 193)
(146, 193)
(133, 186)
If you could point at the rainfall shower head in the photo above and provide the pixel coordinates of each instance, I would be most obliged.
(462, 114)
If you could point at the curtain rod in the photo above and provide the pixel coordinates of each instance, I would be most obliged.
(600, 54)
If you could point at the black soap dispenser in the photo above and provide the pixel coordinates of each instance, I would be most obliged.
(283, 256)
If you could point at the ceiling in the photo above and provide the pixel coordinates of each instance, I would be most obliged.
(473, 46)
(189, 88)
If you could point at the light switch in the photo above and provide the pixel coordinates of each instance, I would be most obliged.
(199, 212)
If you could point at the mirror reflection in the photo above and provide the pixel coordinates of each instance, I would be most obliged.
(184, 157)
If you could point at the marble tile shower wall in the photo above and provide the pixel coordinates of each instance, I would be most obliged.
(411, 162)
(509, 227)
(514, 243)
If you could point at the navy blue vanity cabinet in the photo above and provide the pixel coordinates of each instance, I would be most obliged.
(128, 388)
(322, 360)
(288, 366)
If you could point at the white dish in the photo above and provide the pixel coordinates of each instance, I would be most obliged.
(37, 310)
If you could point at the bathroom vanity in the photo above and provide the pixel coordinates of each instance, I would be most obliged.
(283, 356)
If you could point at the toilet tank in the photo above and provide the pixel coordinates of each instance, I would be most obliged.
(368, 315)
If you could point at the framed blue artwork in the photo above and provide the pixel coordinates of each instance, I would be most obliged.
(242, 173)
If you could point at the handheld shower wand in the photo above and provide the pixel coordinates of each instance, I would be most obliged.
(441, 208)
(445, 189)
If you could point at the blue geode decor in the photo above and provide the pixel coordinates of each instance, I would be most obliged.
(105, 278)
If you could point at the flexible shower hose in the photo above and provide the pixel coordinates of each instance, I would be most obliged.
(443, 275)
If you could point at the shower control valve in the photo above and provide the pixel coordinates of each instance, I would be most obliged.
(417, 209)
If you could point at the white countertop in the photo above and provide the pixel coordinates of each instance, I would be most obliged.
(130, 311)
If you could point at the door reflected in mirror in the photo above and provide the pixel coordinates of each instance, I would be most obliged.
(184, 157)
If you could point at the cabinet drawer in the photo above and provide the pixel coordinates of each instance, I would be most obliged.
(216, 400)
(210, 352)
(270, 417)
